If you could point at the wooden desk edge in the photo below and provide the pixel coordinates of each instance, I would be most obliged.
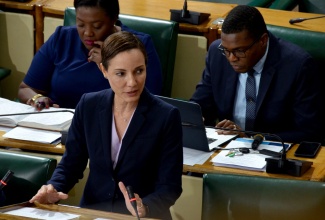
(32, 146)
(83, 212)
(315, 173)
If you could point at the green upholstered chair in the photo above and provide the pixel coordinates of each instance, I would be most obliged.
(284, 4)
(311, 41)
(238, 197)
(255, 3)
(312, 6)
(4, 72)
(30, 173)
(164, 35)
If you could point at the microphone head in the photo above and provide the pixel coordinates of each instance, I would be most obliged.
(296, 20)
(258, 139)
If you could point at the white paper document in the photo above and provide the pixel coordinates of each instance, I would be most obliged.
(56, 119)
(220, 139)
(35, 135)
(42, 214)
(250, 161)
(192, 157)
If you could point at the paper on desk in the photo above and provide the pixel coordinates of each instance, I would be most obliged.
(250, 161)
(192, 157)
(42, 214)
(30, 134)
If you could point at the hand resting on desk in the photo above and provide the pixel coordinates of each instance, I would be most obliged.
(48, 195)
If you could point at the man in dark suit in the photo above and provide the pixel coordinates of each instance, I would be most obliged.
(257, 82)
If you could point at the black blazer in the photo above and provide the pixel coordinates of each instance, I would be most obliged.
(150, 159)
(289, 101)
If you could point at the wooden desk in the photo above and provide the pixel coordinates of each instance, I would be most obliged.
(315, 173)
(154, 9)
(281, 18)
(32, 146)
(85, 214)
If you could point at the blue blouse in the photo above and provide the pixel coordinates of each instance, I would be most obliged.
(61, 68)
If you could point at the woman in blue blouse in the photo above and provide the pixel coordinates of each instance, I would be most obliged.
(66, 66)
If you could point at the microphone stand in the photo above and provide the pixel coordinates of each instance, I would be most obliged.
(298, 20)
(278, 164)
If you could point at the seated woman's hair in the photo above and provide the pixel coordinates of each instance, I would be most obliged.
(120, 42)
(111, 7)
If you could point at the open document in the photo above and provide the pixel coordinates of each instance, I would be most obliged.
(56, 119)
(250, 161)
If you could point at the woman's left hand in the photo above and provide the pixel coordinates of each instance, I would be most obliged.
(140, 207)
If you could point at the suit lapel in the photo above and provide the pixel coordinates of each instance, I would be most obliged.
(230, 92)
(265, 82)
(268, 71)
(105, 122)
(136, 124)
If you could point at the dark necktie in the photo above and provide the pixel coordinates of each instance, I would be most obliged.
(250, 101)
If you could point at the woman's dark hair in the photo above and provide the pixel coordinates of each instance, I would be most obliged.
(244, 17)
(111, 7)
(119, 42)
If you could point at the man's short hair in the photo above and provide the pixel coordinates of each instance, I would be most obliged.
(244, 17)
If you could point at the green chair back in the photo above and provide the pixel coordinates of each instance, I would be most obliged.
(163, 33)
(312, 6)
(284, 4)
(255, 3)
(4, 72)
(234, 197)
(30, 173)
(311, 41)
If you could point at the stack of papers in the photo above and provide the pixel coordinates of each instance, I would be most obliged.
(250, 161)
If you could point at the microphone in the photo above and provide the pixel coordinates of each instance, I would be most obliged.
(298, 20)
(133, 200)
(276, 164)
(258, 139)
(188, 16)
(185, 13)
(64, 133)
(6, 179)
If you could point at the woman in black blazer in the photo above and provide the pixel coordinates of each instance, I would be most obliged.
(130, 137)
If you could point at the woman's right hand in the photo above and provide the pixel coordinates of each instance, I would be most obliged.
(48, 195)
(41, 103)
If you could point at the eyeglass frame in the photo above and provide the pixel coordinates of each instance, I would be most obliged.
(234, 52)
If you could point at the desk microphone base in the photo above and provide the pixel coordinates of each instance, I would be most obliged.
(291, 167)
(64, 135)
(192, 17)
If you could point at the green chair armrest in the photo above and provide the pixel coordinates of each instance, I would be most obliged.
(30, 173)
(4, 73)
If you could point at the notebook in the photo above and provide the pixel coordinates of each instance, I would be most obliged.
(195, 134)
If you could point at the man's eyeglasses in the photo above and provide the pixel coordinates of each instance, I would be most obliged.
(236, 53)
